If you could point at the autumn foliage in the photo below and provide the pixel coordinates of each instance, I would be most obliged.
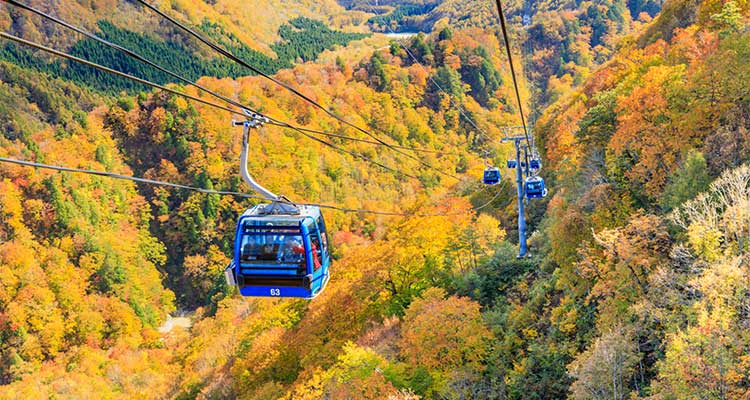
(638, 284)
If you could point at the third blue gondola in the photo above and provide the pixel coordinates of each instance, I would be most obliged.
(535, 187)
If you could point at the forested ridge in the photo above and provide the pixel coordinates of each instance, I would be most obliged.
(302, 39)
(639, 282)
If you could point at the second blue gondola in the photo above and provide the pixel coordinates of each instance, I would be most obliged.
(491, 176)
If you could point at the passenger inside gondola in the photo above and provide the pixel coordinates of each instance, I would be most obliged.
(280, 256)
(293, 250)
(316, 254)
(274, 248)
(251, 250)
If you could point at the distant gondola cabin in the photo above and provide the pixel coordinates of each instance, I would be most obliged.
(491, 176)
(535, 187)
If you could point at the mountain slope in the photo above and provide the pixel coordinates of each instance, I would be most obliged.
(638, 284)
(256, 26)
(633, 152)
(299, 40)
(114, 248)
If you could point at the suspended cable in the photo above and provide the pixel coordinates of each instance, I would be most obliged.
(296, 92)
(128, 52)
(194, 98)
(506, 39)
(334, 135)
(228, 193)
(351, 153)
(432, 80)
(303, 131)
(115, 72)
(187, 81)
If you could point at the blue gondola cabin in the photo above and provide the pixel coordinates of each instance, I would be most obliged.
(280, 255)
(491, 176)
(535, 187)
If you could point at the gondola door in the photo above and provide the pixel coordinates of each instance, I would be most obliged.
(317, 262)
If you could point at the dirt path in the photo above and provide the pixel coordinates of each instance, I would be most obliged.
(172, 322)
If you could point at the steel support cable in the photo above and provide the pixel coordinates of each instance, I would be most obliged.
(178, 93)
(187, 81)
(440, 88)
(432, 80)
(70, 57)
(194, 98)
(128, 52)
(229, 193)
(353, 139)
(351, 153)
(296, 92)
(67, 56)
(506, 39)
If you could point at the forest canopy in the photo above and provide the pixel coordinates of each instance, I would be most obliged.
(638, 282)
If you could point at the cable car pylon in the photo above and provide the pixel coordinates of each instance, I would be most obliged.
(528, 184)
(522, 246)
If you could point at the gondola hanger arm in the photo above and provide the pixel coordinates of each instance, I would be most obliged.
(281, 204)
